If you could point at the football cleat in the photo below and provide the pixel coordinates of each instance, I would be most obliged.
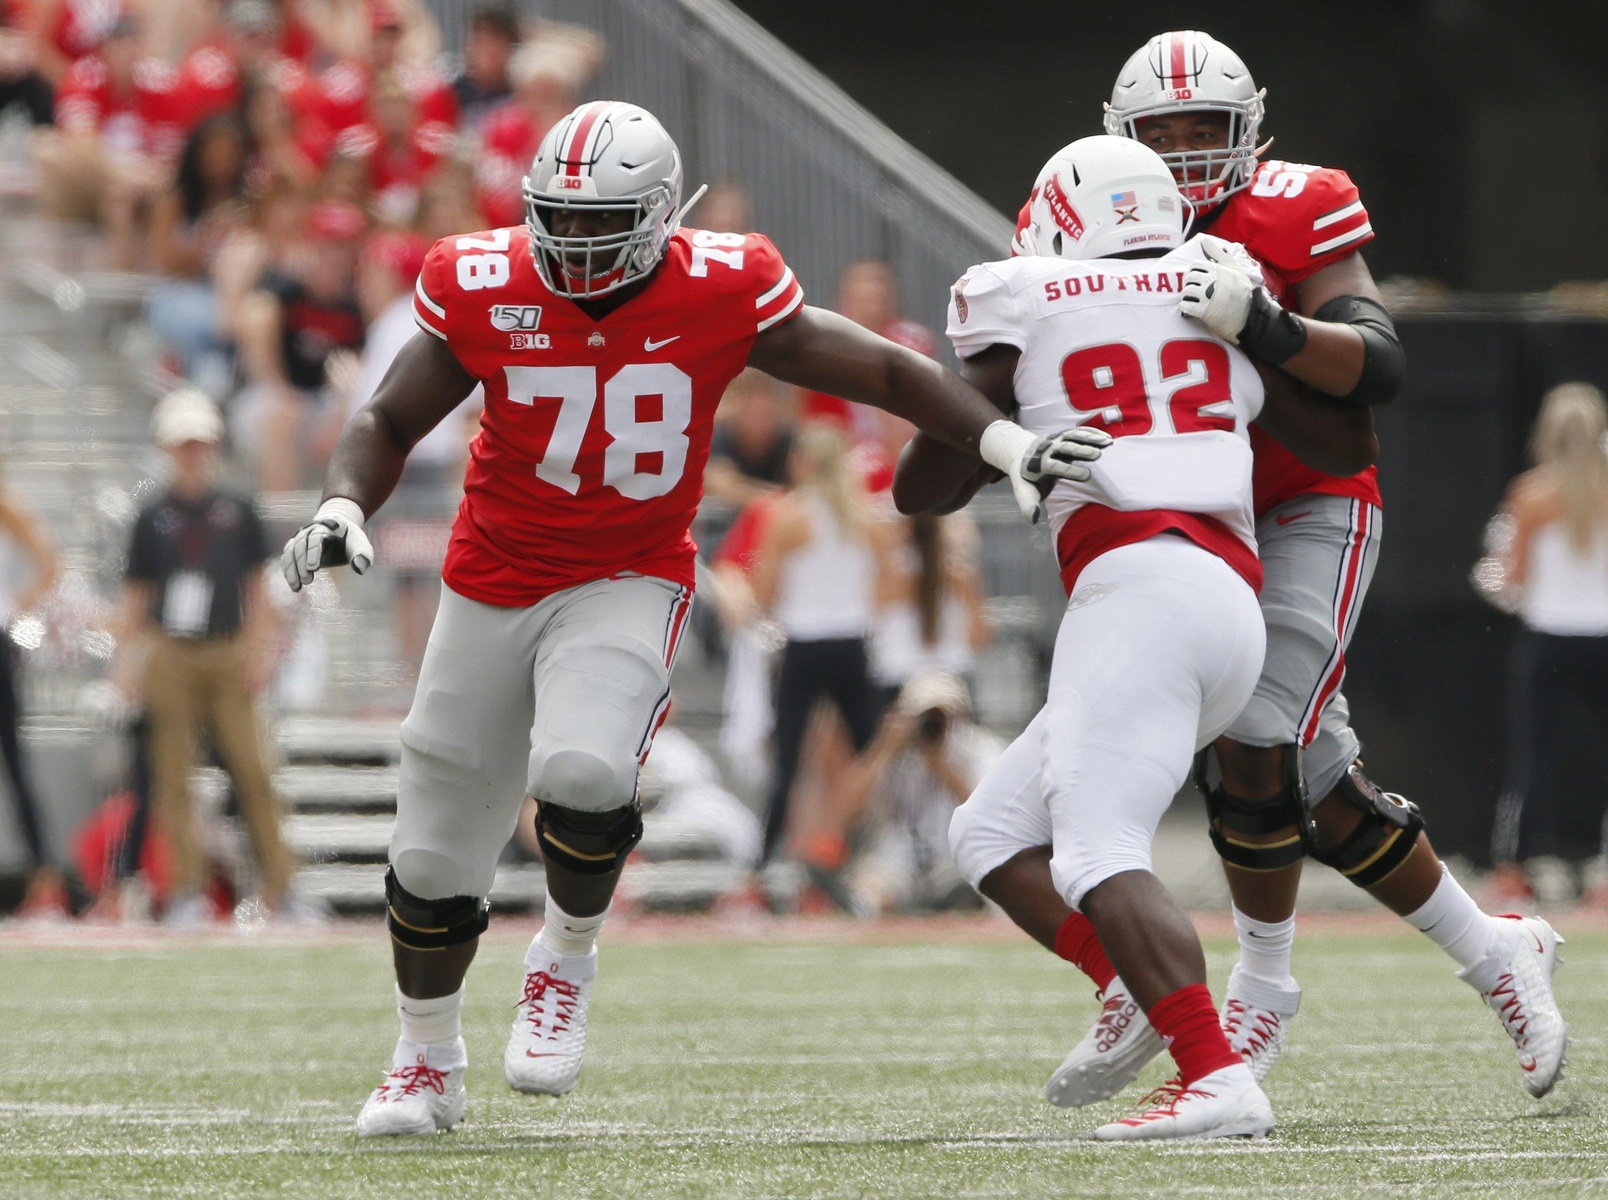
(1117, 1046)
(1226, 1103)
(1256, 1019)
(421, 1093)
(549, 1034)
(1515, 981)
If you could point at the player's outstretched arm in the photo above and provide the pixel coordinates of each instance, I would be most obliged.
(827, 353)
(935, 478)
(423, 385)
(1328, 435)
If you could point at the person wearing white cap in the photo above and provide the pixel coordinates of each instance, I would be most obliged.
(194, 604)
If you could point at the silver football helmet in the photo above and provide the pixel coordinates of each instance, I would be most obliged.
(1190, 71)
(604, 157)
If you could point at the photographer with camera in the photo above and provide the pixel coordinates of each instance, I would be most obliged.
(925, 760)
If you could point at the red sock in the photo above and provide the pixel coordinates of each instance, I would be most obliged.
(1187, 1022)
(1077, 942)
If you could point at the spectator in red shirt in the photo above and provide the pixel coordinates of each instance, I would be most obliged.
(399, 150)
(64, 31)
(342, 96)
(116, 137)
(868, 296)
(547, 73)
(214, 76)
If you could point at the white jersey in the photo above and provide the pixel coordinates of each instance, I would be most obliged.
(1103, 344)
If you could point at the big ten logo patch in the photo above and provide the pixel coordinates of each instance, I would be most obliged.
(529, 341)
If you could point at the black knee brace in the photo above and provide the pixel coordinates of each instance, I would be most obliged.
(1383, 838)
(588, 843)
(432, 924)
(1232, 815)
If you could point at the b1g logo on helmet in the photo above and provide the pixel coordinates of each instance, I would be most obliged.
(511, 317)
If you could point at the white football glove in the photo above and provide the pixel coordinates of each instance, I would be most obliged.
(1218, 293)
(1027, 459)
(333, 538)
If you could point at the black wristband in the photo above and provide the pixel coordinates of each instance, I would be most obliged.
(1271, 334)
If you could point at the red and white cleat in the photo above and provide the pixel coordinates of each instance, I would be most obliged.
(1256, 1019)
(1515, 981)
(422, 1093)
(1117, 1046)
(1226, 1103)
(548, 1039)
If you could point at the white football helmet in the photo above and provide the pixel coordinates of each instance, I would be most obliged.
(1190, 71)
(605, 156)
(1100, 196)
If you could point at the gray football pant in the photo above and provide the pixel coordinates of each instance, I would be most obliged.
(1318, 556)
(559, 701)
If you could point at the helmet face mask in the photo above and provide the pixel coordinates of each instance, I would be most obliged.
(582, 266)
(1192, 73)
(613, 170)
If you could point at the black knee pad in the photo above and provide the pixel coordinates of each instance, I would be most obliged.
(1383, 839)
(422, 924)
(1233, 818)
(588, 843)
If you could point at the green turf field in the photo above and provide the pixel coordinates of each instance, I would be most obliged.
(760, 1069)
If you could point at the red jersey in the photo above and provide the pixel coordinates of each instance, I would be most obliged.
(82, 25)
(591, 451)
(141, 120)
(342, 94)
(509, 139)
(1295, 220)
(397, 174)
(209, 82)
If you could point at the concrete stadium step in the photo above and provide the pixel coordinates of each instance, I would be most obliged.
(349, 788)
(350, 741)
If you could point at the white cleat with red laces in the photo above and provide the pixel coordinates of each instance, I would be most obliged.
(1515, 981)
(1256, 1018)
(422, 1092)
(549, 1035)
(1117, 1046)
(1226, 1103)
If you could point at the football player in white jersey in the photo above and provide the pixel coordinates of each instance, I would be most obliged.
(1289, 783)
(1162, 639)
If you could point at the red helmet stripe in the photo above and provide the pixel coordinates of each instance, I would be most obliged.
(1177, 68)
(573, 154)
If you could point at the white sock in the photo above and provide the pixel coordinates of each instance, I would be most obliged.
(564, 934)
(1265, 947)
(436, 1020)
(1452, 920)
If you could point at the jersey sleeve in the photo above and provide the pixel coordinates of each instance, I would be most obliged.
(1307, 219)
(984, 311)
(780, 295)
(430, 293)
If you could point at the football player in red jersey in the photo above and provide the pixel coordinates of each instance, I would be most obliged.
(604, 336)
(1288, 784)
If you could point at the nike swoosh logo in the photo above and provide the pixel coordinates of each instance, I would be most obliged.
(1293, 517)
(650, 345)
(542, 1054)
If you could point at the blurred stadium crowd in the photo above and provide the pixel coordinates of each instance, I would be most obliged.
(274, 172)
